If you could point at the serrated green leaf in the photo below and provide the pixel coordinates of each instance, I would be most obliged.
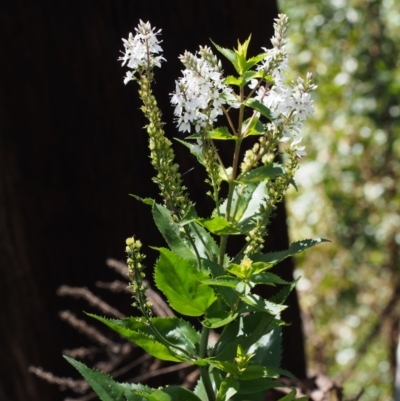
(253, 126)
(171, 232)
(200, 390)
(219, 225)
(230, 55)
(252, 371)
(104, 386)
(256, 194)
(231, 80)
(193, 147)
(176, 331)
(268, 279)
(173, 393)
(256, 386)
(203, 241)
(222, 281)
(273, 258)
(181, 283)
(256, 105)
(241, 198)
(267, 349)
(255, 59)
(218, 315)
(221, 133)
(147, 201)
(228, 388)
(255, 303)
(241, 50)
(244, 331)
(262, 173)
(282, 295)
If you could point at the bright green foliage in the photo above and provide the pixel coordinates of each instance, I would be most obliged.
(169, 339)
(181, 282)
(195, 273)
(349, 187)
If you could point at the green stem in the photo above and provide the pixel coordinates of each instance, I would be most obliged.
(204, 370)
(232, 183)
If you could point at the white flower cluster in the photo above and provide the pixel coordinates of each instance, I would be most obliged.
(291, 104)
(141, 50)
(200, 93)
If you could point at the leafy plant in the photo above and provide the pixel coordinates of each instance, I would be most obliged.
(195, 273)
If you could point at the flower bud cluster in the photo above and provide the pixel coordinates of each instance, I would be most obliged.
(162, 156)
(255, 238)
(262, 151)
(141, 50)
(135, 270)
(200, 93)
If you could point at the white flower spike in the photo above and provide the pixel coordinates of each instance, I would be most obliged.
(141, 50)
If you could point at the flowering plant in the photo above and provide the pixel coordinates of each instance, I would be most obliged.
(195, 273)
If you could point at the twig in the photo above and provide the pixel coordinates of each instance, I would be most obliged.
(81, 352)
(79, 386)
(115, 286)
(89, 331)
(83, 292)
(119, 267)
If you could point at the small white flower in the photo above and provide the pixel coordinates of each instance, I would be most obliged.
(141, 50)
(200, 93)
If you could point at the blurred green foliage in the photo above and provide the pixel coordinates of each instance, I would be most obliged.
(349, 188)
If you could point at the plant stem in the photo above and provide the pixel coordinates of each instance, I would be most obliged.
(204, 370)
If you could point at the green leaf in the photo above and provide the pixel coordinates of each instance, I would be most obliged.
(176, 331)
(245, 331)
(256, 386)
(222, 281)
(173, 393)
(256, 105)
(240, 200)
(181, 282)
(273, 258)
(246, 203)
(218, 315)
(204, 242)
(268, 279)
(253, 126)
(256, 303)
(105, 387)
(262, 173)
(230, 55)
(231, 80)
(221, 133)
(147, 201)
(241, 51)
(193, 147)
(252, 371)
(255, 60)
(242, 80)
(268, 349)
(171, 232)
(282, 295)
(200, 390)
(228, 388)
(219, 225)
(289, 397)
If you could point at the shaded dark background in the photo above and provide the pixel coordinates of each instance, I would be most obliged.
(72, 148)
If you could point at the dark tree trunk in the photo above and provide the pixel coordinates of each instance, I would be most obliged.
(72, 147)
